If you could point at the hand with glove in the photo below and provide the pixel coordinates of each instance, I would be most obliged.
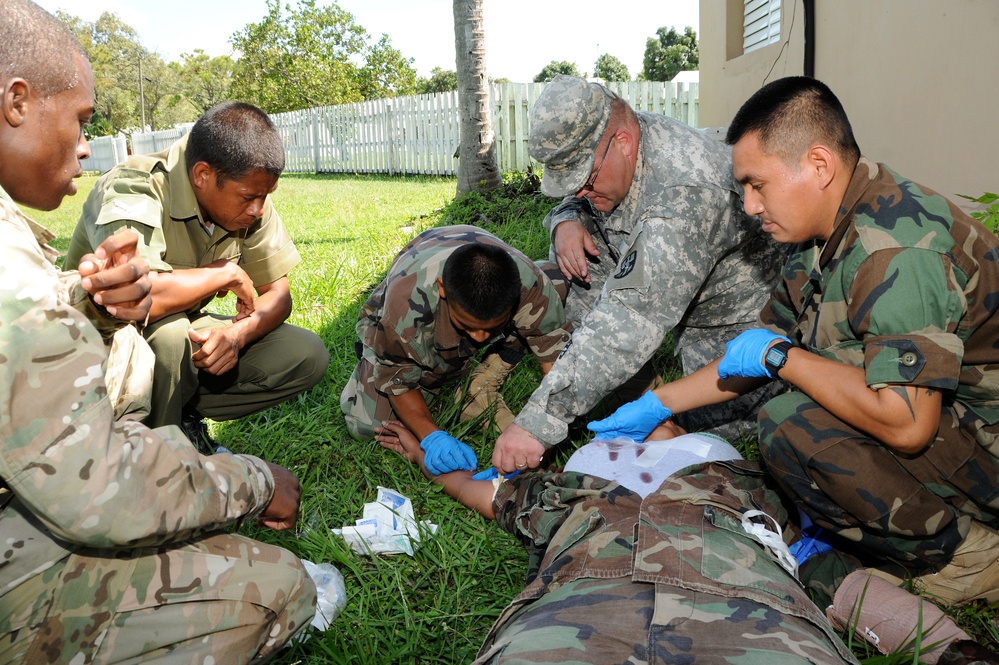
(744, 355)
(443, 453)
(634, 420)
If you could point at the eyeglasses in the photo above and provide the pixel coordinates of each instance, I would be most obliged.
(588, 185)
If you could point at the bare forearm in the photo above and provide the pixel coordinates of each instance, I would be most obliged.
(459, 485)
(180, 290)
(474, 494)
(902, 417)
(271, 309)
(412, 410)
(703, 388)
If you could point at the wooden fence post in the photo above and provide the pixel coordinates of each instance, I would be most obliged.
(315, 140)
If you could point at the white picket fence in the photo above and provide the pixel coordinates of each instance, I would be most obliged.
(105, 152)
(150, 142)
(419, 134)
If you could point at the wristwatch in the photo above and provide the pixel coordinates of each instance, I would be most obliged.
(776, 357)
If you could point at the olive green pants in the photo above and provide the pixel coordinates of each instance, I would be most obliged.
(281, 364)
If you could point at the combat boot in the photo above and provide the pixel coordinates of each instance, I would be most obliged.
(483, 392)
(196, 429)
(971, 574)
(973, 571)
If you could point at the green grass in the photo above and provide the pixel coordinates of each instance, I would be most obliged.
(437, 606)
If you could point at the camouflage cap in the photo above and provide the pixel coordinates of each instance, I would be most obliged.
(567, 122)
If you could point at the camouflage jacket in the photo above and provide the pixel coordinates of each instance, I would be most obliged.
(405, 328)
(153, 195)
(689, 258)
(69, 285)
(687, 534)
(906, 287)
(70, 473)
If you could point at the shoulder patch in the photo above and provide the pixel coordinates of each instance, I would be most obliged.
(627, 265)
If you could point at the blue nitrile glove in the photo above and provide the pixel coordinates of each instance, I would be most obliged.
(444, 453)
(744, 354)
(811, 542)
(634, 420)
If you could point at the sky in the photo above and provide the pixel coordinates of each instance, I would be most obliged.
(522, 36)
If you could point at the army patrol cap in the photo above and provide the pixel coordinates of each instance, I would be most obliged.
(567, 122)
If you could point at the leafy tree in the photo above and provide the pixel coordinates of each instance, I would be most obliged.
(98, 126)
(203, 80)
(610, 68)
(386, 73)
(314, 56)
(118, 61)
(554, 68)
(159, 91)
(115, 52)
(441, 80)
(669, 53)
(477, 165)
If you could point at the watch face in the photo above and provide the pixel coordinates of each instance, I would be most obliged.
(774, 356)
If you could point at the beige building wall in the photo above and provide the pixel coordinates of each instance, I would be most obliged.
(919, 79)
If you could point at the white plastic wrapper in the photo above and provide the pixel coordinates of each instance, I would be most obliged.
(387, 526)
(331, 593)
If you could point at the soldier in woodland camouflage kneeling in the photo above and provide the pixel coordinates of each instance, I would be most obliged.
(114, 547)
(884, 324)
(449, 293)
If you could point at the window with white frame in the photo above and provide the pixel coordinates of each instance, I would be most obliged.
(760, 24)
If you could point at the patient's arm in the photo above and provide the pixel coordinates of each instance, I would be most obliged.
(459, 485)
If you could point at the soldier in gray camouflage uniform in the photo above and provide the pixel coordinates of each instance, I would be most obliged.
(885, 323)
(113, 544)
(413, 340)
(656, 231)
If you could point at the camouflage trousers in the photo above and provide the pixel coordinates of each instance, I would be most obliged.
(622, 621)
(364, 406)
(912, 509)
(223, 598)
(283, 363)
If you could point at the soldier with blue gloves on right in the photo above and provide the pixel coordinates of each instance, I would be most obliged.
(884, 325)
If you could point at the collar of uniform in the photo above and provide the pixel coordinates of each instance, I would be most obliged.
(446, 336)
(183, 202)
(864, 175)
(42, 235)
(626, 209)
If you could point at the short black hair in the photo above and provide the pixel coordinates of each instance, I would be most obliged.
(37, 47)
(482, 279)
(235, 139)
(790, 115)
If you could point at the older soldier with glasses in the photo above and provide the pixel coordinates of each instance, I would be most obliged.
(655, 240)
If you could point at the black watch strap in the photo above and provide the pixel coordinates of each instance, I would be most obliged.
(776, 357)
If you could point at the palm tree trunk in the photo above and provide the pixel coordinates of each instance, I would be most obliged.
(477, 166)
